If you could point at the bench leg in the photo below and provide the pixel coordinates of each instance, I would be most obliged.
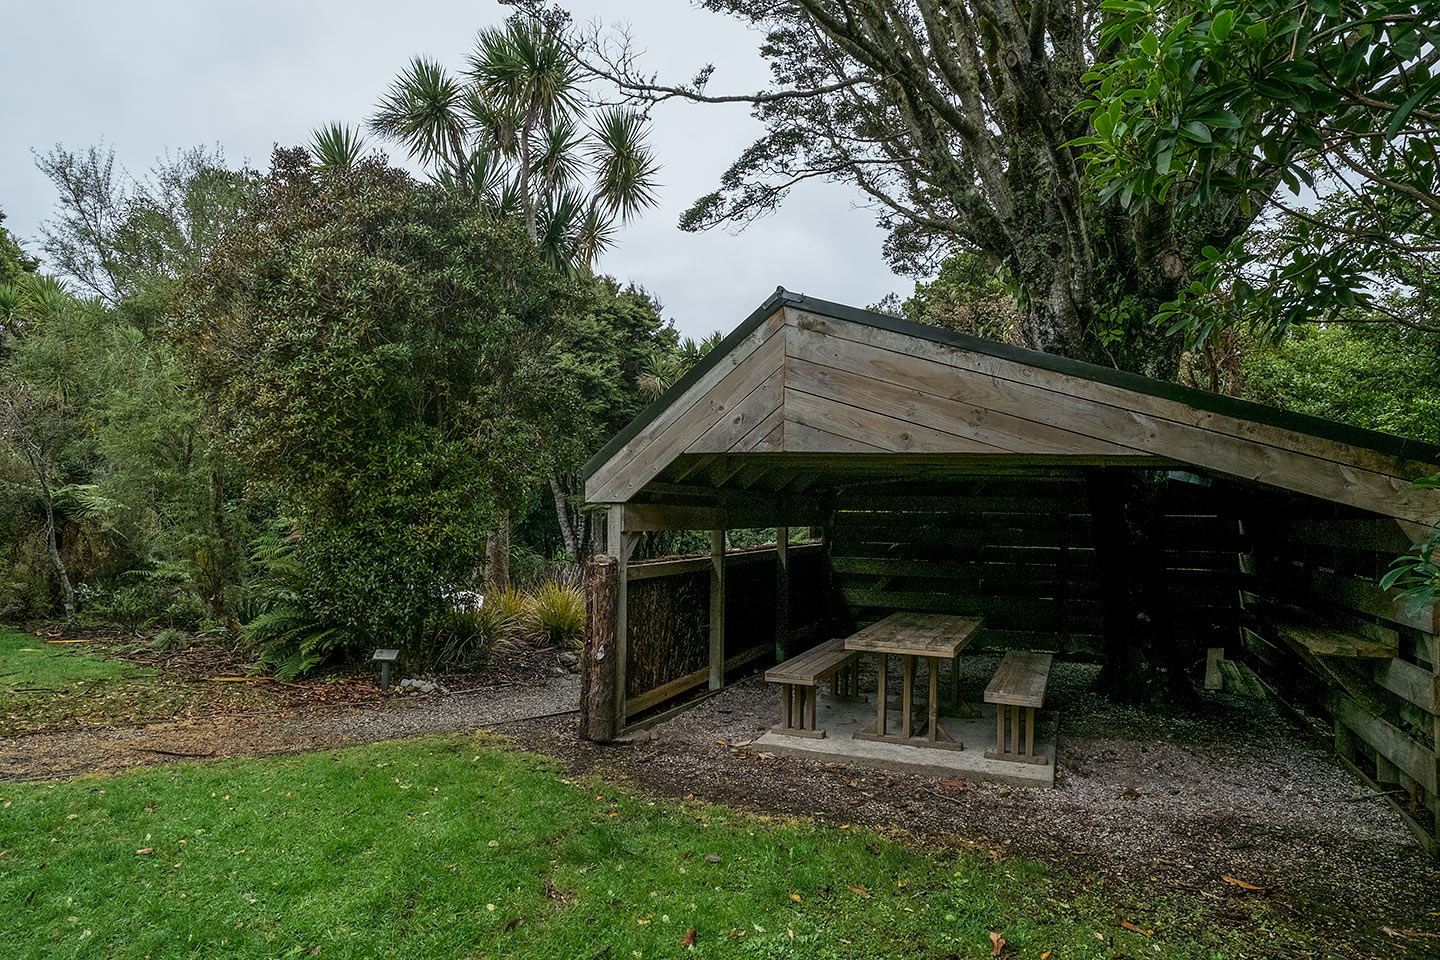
(1000, 729)
(1014, 730)
(785, 697)
(1029, 732)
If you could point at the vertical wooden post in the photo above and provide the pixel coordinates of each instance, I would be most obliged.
(598, 690)
(717, 609)
(782, 593)
(619, 545)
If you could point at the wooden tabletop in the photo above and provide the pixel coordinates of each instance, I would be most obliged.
(917, 634)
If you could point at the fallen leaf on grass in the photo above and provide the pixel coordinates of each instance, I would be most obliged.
(712, 857)
(1045, 955)
(859, 891)
(145, 850)
(514, 923)
(1130, 926)
(795, 897)
(1240, 883)
(689, 940)
(997, 943)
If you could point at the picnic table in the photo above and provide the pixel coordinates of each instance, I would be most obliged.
(933, 636)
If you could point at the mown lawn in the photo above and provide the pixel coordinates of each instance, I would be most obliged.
(456, 847)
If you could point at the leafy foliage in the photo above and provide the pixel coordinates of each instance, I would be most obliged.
(385, 362)
(514, 135)
(1417, 574)
(1239, 98)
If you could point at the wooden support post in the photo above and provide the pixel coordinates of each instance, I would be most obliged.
(598, 689)
(908, 688)
(1029, 732)
(782, 593)
(620, 545)
(717, 609)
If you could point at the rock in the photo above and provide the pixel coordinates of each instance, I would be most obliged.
(654, 734)
(558, 671)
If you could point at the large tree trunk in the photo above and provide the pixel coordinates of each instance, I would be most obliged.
(1144, 662)
(568, 527)
(67, 590)
(497, 554)
(214, 593)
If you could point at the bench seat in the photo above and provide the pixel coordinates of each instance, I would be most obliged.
(1018, 684)
(800, 675)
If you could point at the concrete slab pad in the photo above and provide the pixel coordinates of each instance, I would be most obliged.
(841, 720)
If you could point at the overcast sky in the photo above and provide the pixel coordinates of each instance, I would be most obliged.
(147, 77)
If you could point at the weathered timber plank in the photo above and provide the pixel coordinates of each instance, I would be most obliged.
(800, 437)
(744, 416)
(665, 691)
(897, 600)
(652, 449)
(875, 429)
(1173, 410)
(915, 634)
(1144, 423)
(893, 398)
(1020, 680)
(758, 439)
(1409, 682)
(1411, 757)
(1331, 642)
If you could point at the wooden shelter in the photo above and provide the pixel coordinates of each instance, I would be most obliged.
(949, 473)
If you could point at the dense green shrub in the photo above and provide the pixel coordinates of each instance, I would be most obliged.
(403, 378)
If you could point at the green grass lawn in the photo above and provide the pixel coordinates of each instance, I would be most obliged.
(47, 686)
(456, 847)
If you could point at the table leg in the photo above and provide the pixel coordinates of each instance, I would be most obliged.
(880, 696)
(908, 686)
(933, 668)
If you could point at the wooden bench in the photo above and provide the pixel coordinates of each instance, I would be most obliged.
(800, 675)
(1019, 683)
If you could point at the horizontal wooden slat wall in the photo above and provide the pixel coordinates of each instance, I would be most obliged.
(668, 618)
(1019, 551)
(1322, 629)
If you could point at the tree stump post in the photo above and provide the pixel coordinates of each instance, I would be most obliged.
(598, 708)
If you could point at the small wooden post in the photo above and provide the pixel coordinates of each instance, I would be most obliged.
(717, 609)
(602, 652)
(1214, 679)
(782, 593)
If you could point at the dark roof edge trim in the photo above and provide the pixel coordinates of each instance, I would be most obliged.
(705, 365)
(1402, 448)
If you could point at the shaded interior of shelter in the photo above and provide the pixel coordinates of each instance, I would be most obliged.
(1286, 583)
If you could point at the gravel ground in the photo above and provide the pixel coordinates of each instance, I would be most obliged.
(1173, 805)
(71, 753)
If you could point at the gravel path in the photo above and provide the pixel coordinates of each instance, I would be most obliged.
(46, 756)
(1172, 805)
